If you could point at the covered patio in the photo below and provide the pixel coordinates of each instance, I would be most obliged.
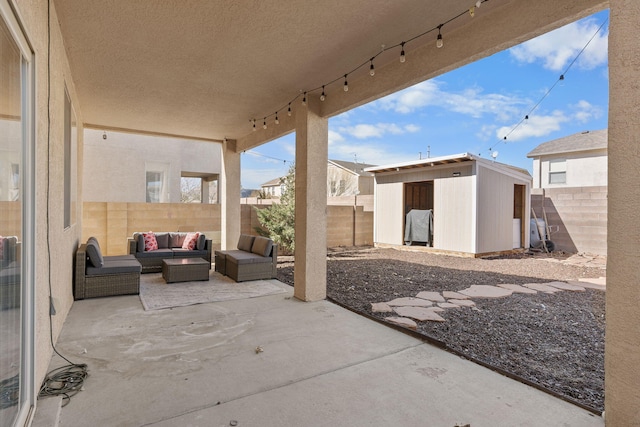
(241, 74)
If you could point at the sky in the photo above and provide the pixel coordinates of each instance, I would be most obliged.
(471, 109)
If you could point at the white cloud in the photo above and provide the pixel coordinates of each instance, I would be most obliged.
(472, 102)
(557, 48)
(535, 126)
(378, 130)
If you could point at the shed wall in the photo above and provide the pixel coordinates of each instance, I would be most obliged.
(453, 214)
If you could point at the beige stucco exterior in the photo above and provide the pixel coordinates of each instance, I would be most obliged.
(509, 23)
(587, 169)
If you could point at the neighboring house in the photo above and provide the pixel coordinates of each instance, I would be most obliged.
(145, 168)
(570, 190)
(343, 179)
(273, 188)
(348, 179)
(477, 206)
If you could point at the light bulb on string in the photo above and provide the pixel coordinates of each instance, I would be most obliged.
(254, 125)
(472, 11)
(304, 99)
(346, 85)
(372, 71)
(264, 123)
(439, 41)
(277, 121)
(289, 110)
(478, 3)
(323, 96)
(402, 57)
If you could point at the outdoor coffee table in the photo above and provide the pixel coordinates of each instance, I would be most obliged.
(185, 269)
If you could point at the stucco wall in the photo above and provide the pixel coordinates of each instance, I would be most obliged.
(122, 158)
(583, 169)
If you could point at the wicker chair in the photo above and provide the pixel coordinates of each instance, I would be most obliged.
(120, 275)
(256, 258)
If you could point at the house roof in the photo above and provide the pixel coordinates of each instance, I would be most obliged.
(356, 168)
(276, 182)
(444, 160)
(582, 141)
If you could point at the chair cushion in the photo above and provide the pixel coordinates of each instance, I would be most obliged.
(244, 242)
(94, 254)
(150, 242)
(116, 266)
(262, 246)
(176, 239)
(242, 257)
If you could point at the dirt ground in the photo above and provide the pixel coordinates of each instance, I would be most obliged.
(553, 340)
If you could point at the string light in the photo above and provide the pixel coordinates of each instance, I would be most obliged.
(439, 44)
(264, 123)
(277, 121)
(323, 96)
(560, 79)
(254, 125)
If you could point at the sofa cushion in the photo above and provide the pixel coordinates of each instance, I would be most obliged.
(188, 253)
(262, 246)
(1, 247)
(150, 242)
(158, 253)
(190, 241)
(163, 240)
(176, 239)
(242, 257)
(202, 242)
(115, 266)
(94, 254)
(139, 238)
(244, 242)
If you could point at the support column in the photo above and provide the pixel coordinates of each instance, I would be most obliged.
(312, 142)
(622, 341)
(229, 189)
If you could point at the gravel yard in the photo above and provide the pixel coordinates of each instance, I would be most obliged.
(553, 340)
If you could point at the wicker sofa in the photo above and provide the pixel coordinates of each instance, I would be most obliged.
(9, 272)
(255, 258)
(169, 247)
(102, 276)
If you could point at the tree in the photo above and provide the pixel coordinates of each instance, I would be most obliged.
(278, 220)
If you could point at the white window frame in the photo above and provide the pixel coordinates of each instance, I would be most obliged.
(557, 168)
(28, 388)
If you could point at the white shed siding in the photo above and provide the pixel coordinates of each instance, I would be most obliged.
(453, 214)
(388, 220)
(495, 210)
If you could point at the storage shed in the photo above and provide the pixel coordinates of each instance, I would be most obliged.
(468, 205)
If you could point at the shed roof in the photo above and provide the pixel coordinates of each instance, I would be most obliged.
(357, 168)
(582, 141)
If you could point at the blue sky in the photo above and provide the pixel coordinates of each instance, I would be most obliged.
(472, 108)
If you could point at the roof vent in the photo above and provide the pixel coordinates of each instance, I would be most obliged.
(586, 131)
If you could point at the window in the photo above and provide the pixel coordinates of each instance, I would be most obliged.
(557, 171)
(191, 190)
(17, 223)
(70, 160)
(156, 182)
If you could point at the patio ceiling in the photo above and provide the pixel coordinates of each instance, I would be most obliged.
(204, 68)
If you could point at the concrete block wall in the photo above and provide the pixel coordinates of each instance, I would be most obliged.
(346, 226)
(11, 219)
(113, 223)
(579, 214)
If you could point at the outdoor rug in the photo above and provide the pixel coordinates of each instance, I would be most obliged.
(156, 294)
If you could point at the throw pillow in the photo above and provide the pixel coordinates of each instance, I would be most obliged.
(190, 241)
(150, 243)
(177, 239)
(262, 246)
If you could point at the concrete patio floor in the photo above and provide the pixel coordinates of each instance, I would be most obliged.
(320, 365)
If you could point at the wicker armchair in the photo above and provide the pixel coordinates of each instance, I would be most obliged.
(120, 275)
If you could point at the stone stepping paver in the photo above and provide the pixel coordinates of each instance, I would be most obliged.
(463, 302)
(381, 307)
(486, 291)
(542, 288)
(448, 305)
(518, 289)
(409, 301)
(602, 281)
(431, 296)
(588, 285)
(566, 286)
(402, 321)
(453, 295)
(419, 313)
